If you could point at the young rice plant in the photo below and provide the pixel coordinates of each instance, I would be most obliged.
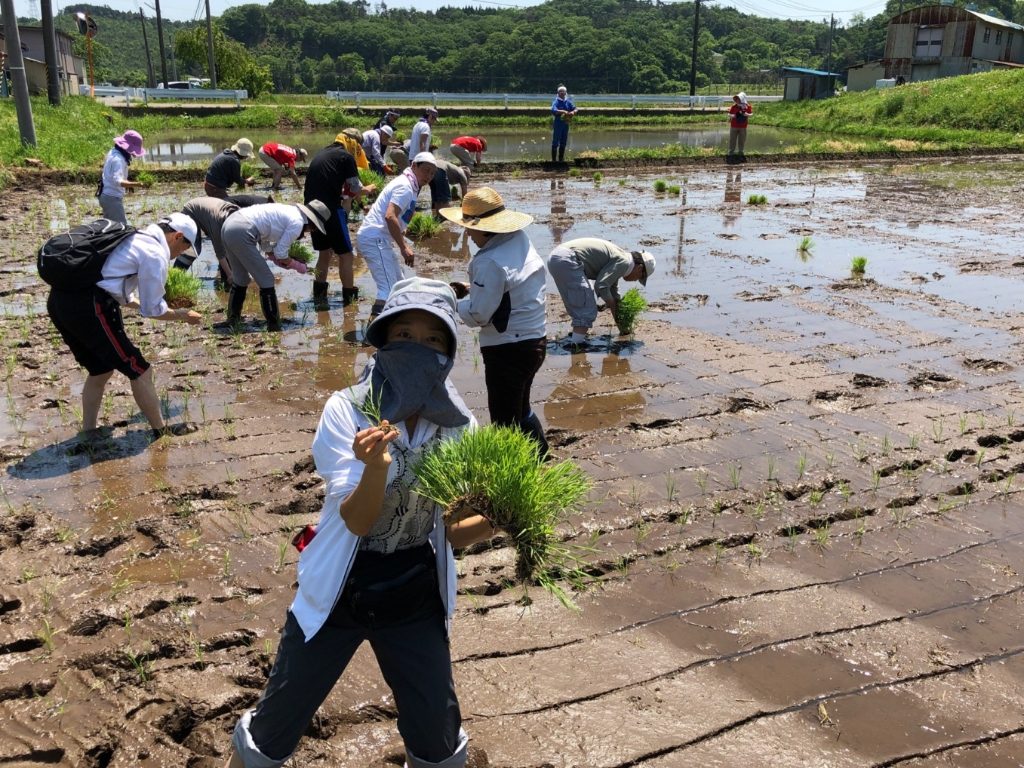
(422, 226)
(858, 265)
(181, 289)
(631, 305)
(496, 472)
(301, 252)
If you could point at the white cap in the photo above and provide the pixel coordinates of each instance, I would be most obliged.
(180, 222)
(387, 130)
(425, 157)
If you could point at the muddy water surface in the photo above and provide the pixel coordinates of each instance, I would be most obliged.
(805, 534)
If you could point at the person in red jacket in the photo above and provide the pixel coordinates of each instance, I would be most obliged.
(469, 150)
(281, 159)
(738, 114)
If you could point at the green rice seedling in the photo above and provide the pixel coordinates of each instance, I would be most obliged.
(574, 172)
(1011, 417)
(673, 189)
(368, 177)
(46, 635)
(660, 186)
(301, 252)
(757, 200)
(963, 424)
(980, 458)
(496, 472)
(886, 445)
(858, 265)
(139, 663)
(815, 497)
(702, 481)
(822, 535)
(422, 226)
(876, 480)
(915, 441)
(806, 245)
(622, 182)
(145, 178)
(937, 430)
(597, 177)
(801, 466)
(670, 488)
(734, 475)
(181, 289)
(631, 305)
(771, 469)
(754, 551)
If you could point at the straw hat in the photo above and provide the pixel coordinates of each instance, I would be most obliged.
(484, 210)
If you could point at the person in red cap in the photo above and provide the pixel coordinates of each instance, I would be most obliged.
(281, 159)
(469, 150)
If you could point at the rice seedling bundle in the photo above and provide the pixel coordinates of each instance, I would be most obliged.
(145, 178)
(181, 289)
(660, 186)
(858, 265)
(422, 226)
(497, 472)
(301, 252)
(631, 305)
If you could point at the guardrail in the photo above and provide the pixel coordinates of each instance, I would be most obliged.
(192, 94)
(359, 98)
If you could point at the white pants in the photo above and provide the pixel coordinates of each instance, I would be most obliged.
(382, 259)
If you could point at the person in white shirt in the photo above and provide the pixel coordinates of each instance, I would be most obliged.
(384, 225)
(419, 141)
(380, 566)
(114, 181)
(374, 144)
(269, 229)
(90, 321)
(505, 300)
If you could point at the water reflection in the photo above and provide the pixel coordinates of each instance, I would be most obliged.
(339, 350)
(559, 222)
(578, 404)
(733, 197)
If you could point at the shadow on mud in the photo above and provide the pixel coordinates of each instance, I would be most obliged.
(73, 454)
(605, 344)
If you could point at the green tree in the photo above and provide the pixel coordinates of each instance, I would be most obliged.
(236, 67)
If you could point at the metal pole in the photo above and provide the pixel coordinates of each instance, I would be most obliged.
(693, 57)
(92, 78)
(16, 64)
(149, 59)
(160, 36)
(50, 54)
(209, 47)
(828, 54)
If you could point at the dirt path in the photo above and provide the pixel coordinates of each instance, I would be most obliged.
(805, 536)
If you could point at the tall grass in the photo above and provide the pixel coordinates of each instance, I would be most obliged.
(497, 472)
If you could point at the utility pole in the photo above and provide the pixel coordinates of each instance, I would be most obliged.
(209, 47)
(50, 54)
(693, 57)
(16, 65)
(149, 59)
(160, 35)
(828, 54)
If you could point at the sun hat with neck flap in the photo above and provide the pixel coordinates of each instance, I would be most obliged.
(421, 293)
(483, 209)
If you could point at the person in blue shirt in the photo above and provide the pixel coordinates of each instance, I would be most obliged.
(563, 111)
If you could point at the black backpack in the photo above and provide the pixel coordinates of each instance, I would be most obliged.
(73, 261)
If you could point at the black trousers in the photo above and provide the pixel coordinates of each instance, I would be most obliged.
(509, 370)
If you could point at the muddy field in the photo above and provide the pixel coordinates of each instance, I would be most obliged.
(805, 533)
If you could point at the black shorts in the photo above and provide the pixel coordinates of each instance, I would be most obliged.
(90, 324)
(440, 191)
(337, 238)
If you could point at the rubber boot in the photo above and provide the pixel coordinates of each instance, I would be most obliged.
(554, 154)
(320, 295)
(349, 296)
(271, 309)
(561, 154)
(531, 426)
(236, 299)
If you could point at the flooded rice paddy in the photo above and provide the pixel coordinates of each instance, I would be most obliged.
(804, 540)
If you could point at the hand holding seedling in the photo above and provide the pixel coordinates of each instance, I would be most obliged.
(371, 445)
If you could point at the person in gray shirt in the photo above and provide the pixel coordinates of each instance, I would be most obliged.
(574, 263)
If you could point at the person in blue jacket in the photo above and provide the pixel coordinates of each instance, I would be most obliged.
(563, 111)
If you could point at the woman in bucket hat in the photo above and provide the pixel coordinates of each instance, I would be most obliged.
(505, 300)
(114, 182)
(379, 567)
(225, 171)
(270, 228)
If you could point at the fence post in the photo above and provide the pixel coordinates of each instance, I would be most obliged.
(633, 99)
(358, 99)
(145, 96)
(506, 101)
(127, 97)
(433, 100)
(238, 99)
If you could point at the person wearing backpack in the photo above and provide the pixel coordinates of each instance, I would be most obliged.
(114, 181)
(88, 315)
(738, 118)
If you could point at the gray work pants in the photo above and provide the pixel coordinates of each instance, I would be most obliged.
(737, 138)
(245, 253)
(566, 270)
(113, 208)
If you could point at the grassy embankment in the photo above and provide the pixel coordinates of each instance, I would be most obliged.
(976, 112)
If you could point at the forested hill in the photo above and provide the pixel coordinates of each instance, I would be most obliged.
(591, 45)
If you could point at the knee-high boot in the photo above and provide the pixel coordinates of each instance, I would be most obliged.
(561, 153)
(531, 426)
(320, 294)
(271, 309)
(236, 299)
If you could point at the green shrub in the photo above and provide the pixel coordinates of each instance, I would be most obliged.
(497, 472)
(181, 289)
(301, 252)
(858, 266)
(660, 186)
(422, 226)
(757, 200)
(631, 305)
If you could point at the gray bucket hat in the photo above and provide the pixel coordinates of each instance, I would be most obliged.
(316, 213)
(421, 293)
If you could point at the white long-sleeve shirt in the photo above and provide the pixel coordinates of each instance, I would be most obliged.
(371, 146)
(279, 226)
(115, 170)
(139, 265)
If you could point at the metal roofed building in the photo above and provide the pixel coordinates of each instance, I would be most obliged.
(800, 83)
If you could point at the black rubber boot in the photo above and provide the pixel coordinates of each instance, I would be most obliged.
(349, 296)
(531, 426)
(320, 295)
(561, 154)
(554, 154)
(236, 299)
(271, 309)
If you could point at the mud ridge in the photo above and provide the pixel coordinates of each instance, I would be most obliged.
(988, 739)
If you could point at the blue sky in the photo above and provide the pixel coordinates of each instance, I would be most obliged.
(785, 9)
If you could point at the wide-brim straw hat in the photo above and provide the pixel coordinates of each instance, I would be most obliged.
(483, 209)
(316, 213)
(242, 147)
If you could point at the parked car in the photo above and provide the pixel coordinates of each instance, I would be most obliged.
(180, 84)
